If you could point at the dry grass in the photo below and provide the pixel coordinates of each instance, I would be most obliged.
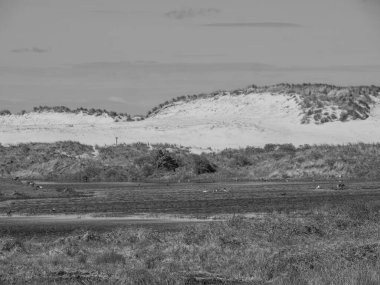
(323, 246)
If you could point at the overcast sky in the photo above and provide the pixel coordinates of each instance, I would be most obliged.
(129, 55)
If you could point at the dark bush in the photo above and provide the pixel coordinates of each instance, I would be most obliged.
(288, 147)
(279, 155)
(317, 116)
(324, 120)
(270, 147)
(241, 160)
(343, 116)
(164, 160)
(203, 165)
(92, 171)
(5, 113)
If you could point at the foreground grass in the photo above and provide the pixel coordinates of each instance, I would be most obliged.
(323, 246)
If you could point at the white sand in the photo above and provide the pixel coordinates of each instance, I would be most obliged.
(219, 122)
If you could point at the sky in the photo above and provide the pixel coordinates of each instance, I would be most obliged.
(130, 55)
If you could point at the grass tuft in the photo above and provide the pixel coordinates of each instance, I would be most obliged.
(109, 256)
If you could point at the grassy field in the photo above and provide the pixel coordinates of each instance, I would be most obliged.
(299, 234)
(326, 245)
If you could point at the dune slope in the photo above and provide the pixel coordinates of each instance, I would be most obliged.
(220, 121)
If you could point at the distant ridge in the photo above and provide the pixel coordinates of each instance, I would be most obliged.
(64, 109)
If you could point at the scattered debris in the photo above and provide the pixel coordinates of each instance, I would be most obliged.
(217, 190)
(341, 186)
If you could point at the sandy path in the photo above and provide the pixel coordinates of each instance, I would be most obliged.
(135, 219)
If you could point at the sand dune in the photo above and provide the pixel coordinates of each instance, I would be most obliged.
(218, 122)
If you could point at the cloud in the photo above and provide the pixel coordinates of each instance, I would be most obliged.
(117, 100)
(29, 50)
(255, 25)
(191, 13)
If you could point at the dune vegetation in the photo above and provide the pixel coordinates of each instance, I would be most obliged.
(163, 162)
(64, 109)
